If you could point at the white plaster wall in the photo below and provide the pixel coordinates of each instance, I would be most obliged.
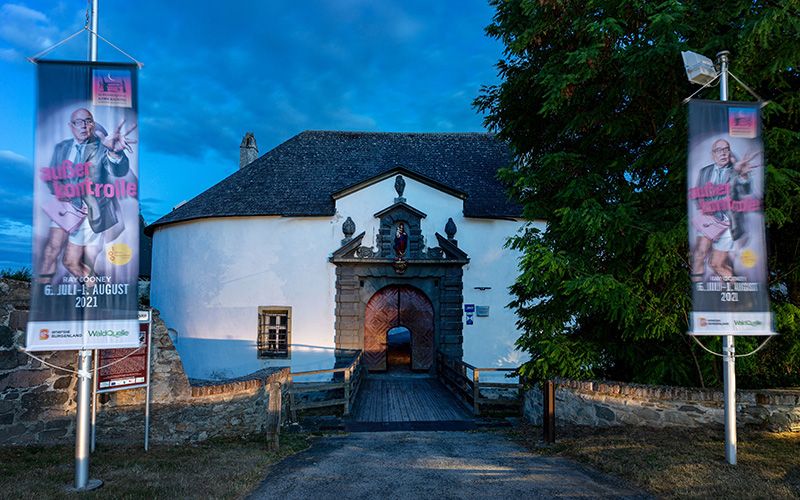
(211, 275)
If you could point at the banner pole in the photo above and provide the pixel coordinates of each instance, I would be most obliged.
(93, 35)
(728, 349)
(82, 428)
(147, 391)
(94, 399)
(729, 383)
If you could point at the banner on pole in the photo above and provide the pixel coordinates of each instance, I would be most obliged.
(85, 208)
(727, 241)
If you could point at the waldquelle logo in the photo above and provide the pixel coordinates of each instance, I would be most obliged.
(109, 333)
(747, 323)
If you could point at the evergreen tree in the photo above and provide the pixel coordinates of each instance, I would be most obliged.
(591, 104)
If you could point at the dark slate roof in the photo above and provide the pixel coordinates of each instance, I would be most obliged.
(299, 177)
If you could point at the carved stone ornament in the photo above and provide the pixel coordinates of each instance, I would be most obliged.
(450, 229)
(348, 228)
(365, 253)
(399, 185)
(400, 266)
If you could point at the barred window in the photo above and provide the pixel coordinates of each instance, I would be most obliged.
(274, 332)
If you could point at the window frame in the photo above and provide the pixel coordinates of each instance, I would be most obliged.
(262, 335)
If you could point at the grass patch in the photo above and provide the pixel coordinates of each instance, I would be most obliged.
(218, 468)
(674, 463)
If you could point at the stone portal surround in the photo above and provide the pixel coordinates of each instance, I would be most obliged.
(38, 404)
(606, 404)
(356, 283)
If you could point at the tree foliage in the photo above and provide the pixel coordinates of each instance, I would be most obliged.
(591, 104)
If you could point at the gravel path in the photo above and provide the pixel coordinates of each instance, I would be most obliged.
(382, 465)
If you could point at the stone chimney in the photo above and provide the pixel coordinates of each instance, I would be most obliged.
(248, 150)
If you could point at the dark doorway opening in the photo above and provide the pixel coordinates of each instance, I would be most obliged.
(398, 353)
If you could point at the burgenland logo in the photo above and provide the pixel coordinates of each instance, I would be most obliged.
(703, 323)
(44, 334)
(109, 333)
(747, 322)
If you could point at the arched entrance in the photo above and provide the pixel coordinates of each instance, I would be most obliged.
(393, 306)
(398, 349)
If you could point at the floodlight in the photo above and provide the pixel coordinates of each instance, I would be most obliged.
(699, 68)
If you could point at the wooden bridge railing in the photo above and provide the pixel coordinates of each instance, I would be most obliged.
(455, 375)
(349, 384)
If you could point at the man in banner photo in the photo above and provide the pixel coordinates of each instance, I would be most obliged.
(721, 193)
(725, 188)
(86, 229)
(79, 170)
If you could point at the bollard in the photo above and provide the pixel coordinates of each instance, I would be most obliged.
(549, 411)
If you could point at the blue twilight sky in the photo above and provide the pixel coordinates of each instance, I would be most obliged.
(215, 70)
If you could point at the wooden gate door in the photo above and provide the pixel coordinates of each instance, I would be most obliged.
(380, 316)
(398, 306)
(416, 314)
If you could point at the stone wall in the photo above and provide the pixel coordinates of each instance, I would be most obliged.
(38, 403)
(605, 404)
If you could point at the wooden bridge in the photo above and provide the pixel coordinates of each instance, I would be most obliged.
(407, 401)
(403, 400)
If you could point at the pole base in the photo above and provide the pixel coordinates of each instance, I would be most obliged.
(92, 484)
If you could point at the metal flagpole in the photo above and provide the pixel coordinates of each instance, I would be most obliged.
(94, 401)
(83, 427)
(728, 349)
(149, 343)
(93, 34)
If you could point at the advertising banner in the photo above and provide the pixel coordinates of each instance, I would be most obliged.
(727, 241)
(126, 368)
(85, 208)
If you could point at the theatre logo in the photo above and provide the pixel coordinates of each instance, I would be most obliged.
(111, 88)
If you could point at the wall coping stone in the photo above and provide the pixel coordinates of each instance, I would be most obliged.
(782, 396)
(237, 385)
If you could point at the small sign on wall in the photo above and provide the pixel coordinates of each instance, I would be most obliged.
(469, 309)
(482, 311)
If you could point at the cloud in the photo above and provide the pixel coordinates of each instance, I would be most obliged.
(274, 68)
(16, 211)
(10, 55)
(16, 238)
(21, 12)
(343, 64)
(26, 28)
(16, 171)
(14, 157)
